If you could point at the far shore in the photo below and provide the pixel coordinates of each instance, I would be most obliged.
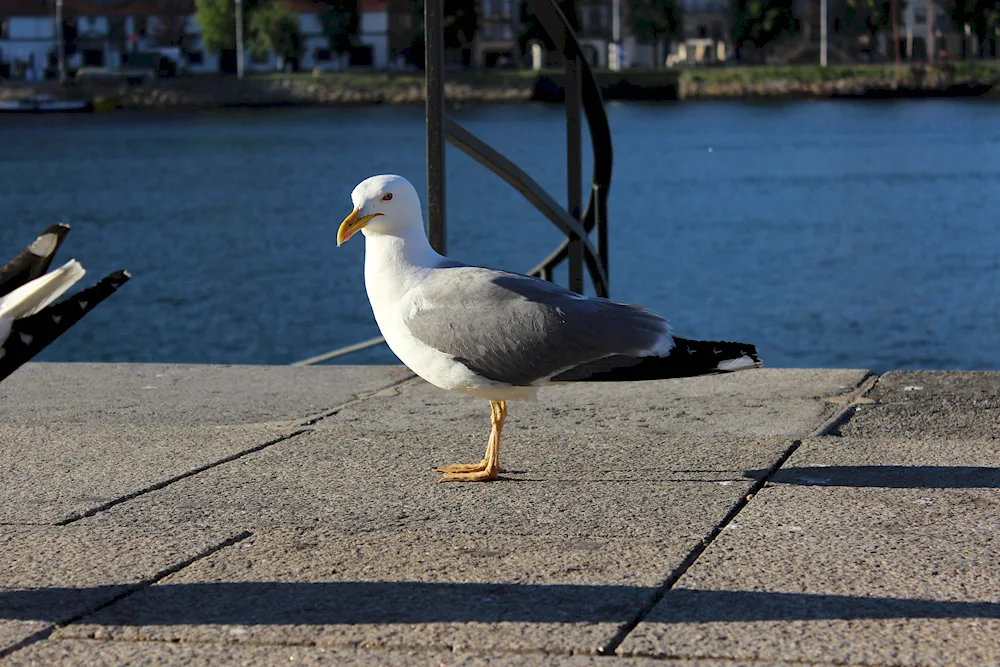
(968, 79)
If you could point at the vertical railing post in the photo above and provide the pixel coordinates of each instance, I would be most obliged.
(574, 174)
(434, 76)
(601, 222)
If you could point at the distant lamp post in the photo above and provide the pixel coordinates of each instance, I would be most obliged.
(931, 37)
(239, 38)
(822, 33)
(615, 52)
(60, 42)
(895, 36)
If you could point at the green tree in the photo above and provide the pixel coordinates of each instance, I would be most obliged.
(871, 16)
(273, 28)
(982, 17)
(341, 22)
(461, 23)
(217, 20)
(868, 16)
(532, 30)
(760, 22)
(655, 20)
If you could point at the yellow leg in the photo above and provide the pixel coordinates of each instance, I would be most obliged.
(489, 468)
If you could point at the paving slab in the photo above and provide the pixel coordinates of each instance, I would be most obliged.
(635, 484)
(95, 652)
(52, 574)
(936, 405)
(357, 547)
(178, 394)
(626, 467)
(56, 472)
(764, 402)
(456, 591)
(850, 558)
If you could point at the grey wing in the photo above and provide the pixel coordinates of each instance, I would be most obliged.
(520, 330)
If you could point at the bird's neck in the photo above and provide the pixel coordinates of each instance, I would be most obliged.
(394, 262)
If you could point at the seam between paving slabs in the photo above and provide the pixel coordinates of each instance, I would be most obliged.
(835, 421)
(176, 478)
(228, 459)
(392, 387)
(145, 583)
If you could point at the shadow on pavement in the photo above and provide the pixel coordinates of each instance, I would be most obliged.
(895, 477)
(356, 602)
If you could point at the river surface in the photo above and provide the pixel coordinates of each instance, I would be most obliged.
(831, 234)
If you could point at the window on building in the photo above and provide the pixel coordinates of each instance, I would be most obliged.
(486, 7)
(322, 55)
(920, 16)
(508, 8)
(260, 57)
(4, 28)
(195, 57)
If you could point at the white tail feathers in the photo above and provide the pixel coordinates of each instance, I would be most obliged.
(738, 364)
(31, 297)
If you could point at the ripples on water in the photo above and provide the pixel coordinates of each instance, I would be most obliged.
(831, 234)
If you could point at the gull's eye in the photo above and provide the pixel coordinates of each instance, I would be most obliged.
(387, 197)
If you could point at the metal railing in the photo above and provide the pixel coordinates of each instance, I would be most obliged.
(582, 94)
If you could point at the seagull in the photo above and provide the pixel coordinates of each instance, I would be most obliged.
(498, 335)
(28, 321)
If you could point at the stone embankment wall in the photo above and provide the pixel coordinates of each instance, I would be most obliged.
(914, 82)
(727, 83)
(219, 92)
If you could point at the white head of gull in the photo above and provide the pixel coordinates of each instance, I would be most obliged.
(499, 335)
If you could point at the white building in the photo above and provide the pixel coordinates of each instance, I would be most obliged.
(373, 40)
(705, 33)
(105, 34)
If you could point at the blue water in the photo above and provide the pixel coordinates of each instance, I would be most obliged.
(831, 234)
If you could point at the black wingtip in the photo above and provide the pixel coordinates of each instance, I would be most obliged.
(60, 228)
(31, 335)
(688, 358)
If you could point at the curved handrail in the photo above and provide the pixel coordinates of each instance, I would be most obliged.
(475, 148)
(557, 26)
(594, 215)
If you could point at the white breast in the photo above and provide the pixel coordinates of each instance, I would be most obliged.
(390, 278)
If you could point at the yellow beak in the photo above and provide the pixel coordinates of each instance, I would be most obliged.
(351, 225)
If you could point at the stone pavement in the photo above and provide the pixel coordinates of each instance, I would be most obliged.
(164, 514)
